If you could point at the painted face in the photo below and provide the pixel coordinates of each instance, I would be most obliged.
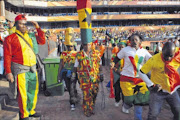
(135, 41)
(22, 26)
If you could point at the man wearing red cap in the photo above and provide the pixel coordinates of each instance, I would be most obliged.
(20, 49)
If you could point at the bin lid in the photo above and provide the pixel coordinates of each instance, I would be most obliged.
(51, 60)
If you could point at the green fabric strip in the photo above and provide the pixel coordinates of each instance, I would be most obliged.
(138, 99)
(34, 41)
(31, 81)
(86, 36)
(27, 102)
(139, 63)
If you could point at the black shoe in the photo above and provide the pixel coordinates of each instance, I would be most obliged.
(65, 89)
(44, 86)
(47, 93)
(27, 118)
(88, 114)
(35, 115)
(23, 118)
(92, 113)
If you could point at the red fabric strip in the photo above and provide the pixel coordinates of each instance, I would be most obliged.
(12, 52)
(174, 77)
(83, 4)
(130, 79)
(134, 65)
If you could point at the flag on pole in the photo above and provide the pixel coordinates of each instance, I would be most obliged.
(84, 14)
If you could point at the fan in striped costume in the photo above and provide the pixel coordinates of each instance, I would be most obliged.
(88, 60)
(20, 65)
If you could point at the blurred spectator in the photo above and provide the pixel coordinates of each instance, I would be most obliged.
(3, 34)
(102, 49)
(176, 41)
(158, 48)
(61, 47)
(147, 48)
(12, 28)
(1, 59)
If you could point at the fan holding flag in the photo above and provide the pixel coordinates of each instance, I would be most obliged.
(165, 80)
(133, 88)
(87, 63)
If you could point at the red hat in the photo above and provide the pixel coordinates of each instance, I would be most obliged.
(20, 17)
(96, 41)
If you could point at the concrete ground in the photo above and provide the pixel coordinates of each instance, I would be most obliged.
(58, 108)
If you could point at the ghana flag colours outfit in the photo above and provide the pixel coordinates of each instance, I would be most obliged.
(133, 88)
(87, 65)
(165, 74)
(66, 66)
(88, 70)
(20, 60)
(68, 58)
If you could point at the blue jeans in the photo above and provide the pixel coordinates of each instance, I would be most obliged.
(137, 111)
(156, 102)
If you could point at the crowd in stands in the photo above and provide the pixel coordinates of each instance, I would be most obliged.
(101, 33)
(100, 13)
(103, 13)
(112, 23)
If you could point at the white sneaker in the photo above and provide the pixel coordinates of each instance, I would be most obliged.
(116, 104)
(72, 107)
(124, 110)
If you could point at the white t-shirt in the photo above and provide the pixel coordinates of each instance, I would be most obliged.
(133, 60)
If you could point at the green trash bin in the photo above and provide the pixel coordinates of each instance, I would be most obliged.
(51, 71)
